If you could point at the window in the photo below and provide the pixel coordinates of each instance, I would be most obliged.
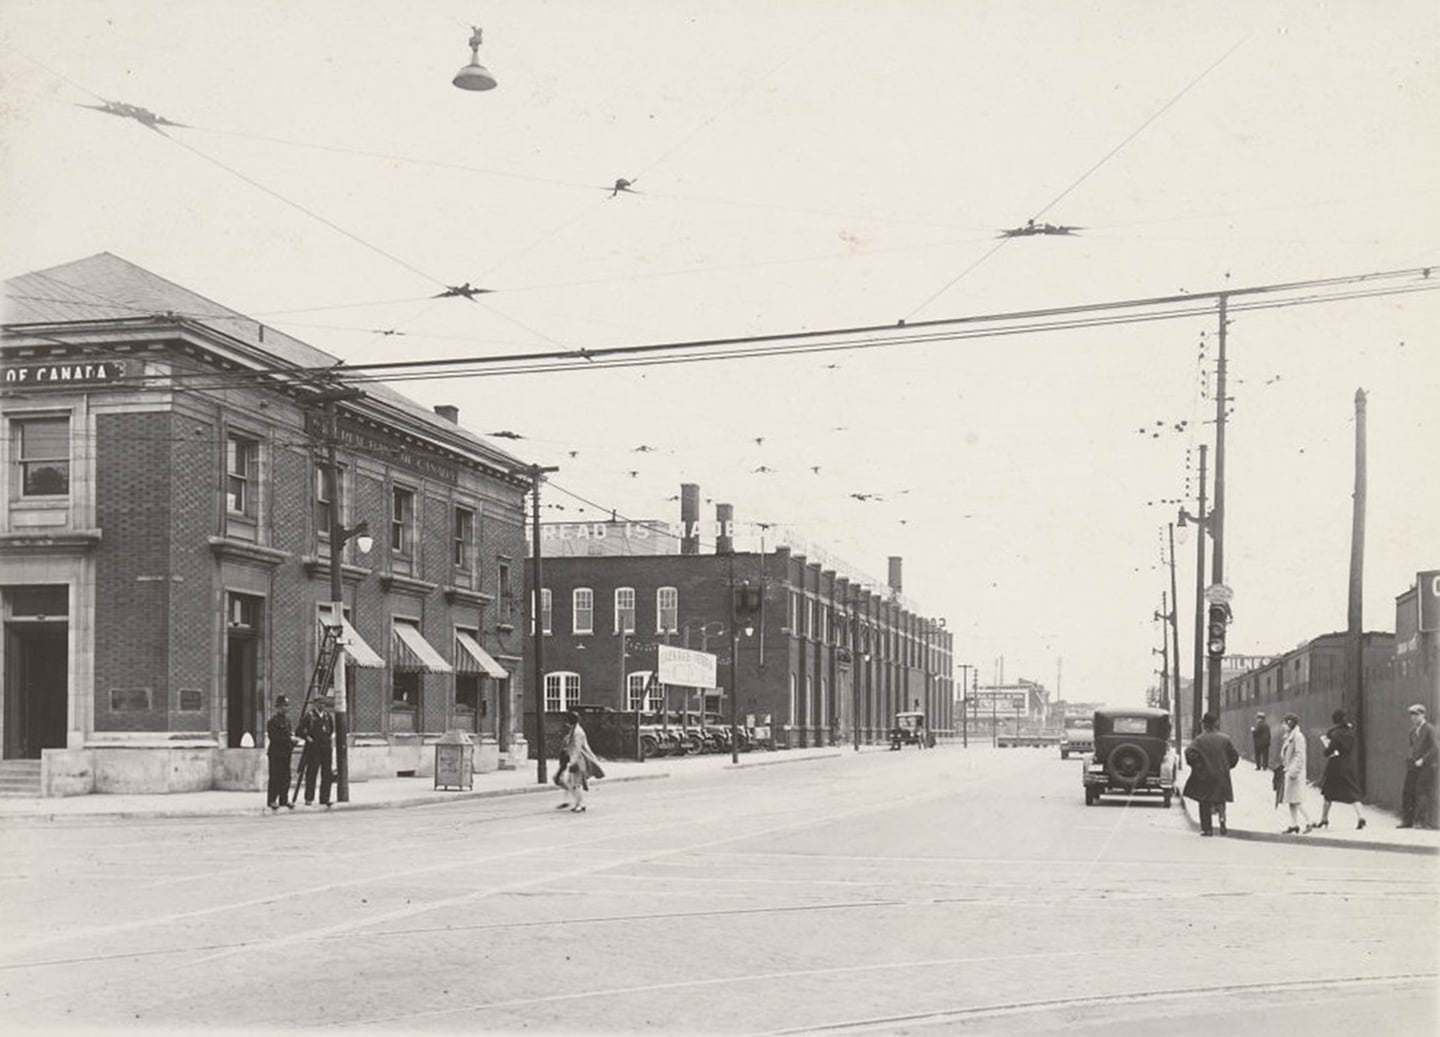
(325, 499)
(667, 608)
(809, 617)
(463, 542)
(825, 623)
(242, 461)
(547, 612)
(582, 605)
(624, 610)
(636, 685)
(402, 521)
(562, 691)
(792, 616)
(504, 596)
(44, 456)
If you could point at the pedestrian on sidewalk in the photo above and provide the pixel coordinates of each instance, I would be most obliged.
(1292, 759)
(1341, 781)
(1260, 736)
(581, 765)
(317, 730)
(279, 744)
(1417, 799)
(1211, 756)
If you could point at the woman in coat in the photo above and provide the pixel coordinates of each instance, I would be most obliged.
(1292, 759)
(1341, 782)
(582, 763)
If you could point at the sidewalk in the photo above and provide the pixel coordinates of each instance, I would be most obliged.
(376, 793)
(1254, 815)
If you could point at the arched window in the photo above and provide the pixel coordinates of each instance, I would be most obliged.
(562, 691)
(636, 686)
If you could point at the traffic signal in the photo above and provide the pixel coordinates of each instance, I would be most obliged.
(1215, 630)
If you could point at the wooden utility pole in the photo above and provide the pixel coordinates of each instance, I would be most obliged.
(537, 476)
(1354, 627)
(1217, 510)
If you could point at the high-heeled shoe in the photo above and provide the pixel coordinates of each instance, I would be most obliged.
(1292, 830)
(1359, 824)
(1322, 824)
(1310, 826)
(577, 810)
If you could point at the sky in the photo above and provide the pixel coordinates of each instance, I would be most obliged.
(816, 165)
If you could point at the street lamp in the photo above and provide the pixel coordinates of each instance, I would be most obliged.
(474, 76)
(339, 535)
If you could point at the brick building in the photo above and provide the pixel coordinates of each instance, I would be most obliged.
(164, 545)
(829, 653)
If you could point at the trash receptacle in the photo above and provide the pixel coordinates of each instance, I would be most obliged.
(455, 761)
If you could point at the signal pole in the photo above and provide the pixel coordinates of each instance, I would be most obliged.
(1217, 516)
(537, 476)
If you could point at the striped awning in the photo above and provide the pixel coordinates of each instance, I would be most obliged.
(415, 654)
(471, 658)
(360, 653)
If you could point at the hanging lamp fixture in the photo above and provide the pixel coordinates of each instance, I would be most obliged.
(474, 76)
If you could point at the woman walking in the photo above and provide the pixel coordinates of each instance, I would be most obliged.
(1341, 782)
(1292, 760)
(582, 763)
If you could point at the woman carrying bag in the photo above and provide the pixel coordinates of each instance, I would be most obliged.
(1292, 759)
(579, 762)
(1341, 782)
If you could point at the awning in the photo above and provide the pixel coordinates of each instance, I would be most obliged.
(473, 659)
(360, 653)
(413, 652)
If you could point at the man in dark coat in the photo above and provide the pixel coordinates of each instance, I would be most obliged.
(1417, 799)
(1210, 757)
(278, 745)
(317, 731)
(1260, 735)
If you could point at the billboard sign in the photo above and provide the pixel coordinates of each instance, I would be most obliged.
(685, 667)
(1429, 595)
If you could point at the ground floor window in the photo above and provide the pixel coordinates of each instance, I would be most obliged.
(562, 691)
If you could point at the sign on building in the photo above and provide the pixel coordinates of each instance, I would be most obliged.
(684, 667)
(1429, 599)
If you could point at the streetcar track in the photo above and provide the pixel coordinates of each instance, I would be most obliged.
(1013, 1008)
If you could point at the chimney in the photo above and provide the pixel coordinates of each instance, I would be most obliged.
(724, 523)
(690, 518)
(448, 412)
(895, 582)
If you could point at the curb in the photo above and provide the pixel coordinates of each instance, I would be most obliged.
(776, 763)
(1310, 839)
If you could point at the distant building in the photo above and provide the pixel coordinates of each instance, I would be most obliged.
(831, 653)
(164, 545)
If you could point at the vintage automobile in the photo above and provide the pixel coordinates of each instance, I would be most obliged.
(910, 729)
(1077, 736)
(1132, 755)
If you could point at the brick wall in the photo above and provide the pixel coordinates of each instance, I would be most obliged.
(132, 565)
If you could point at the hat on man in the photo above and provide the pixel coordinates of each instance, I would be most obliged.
(281, 702)
(1416, 708)
(1259, 716)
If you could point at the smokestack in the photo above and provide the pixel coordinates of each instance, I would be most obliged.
(449, 413)
(690, 518)
(895, 583)
(724, 523)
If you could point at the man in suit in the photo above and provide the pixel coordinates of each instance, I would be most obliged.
(1417, 801)
(317, 731)
(278, 744)
(1260, 736)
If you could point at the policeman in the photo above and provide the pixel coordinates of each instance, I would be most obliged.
(278, 745)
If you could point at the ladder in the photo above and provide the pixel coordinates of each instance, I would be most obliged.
(320, 678)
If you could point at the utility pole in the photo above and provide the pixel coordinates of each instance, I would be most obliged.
(1217, 512)
(1354, 627)
(1198, 684)
(965, 669)
(1164, 616)
(1175, 635)
(537, 475)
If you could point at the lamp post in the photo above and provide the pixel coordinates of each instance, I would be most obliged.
(537, 474)
(745, 602)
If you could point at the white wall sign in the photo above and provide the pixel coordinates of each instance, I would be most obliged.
(685, 667)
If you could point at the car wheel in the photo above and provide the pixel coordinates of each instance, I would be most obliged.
(1128, 764)
(1064, 754)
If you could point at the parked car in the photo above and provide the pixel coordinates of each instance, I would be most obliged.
(1077, 736)
(910, 729)
(1132, 755)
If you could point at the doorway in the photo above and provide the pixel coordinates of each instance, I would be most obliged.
(37, 678)
(242, 696)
